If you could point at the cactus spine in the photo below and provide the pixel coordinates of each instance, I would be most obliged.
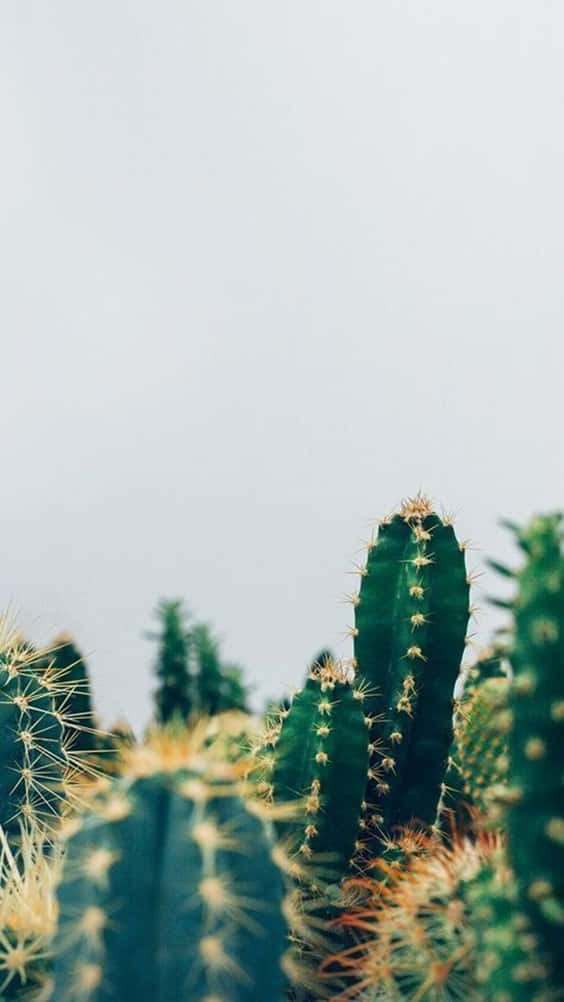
(207, 922)
(411, 616)
(76, 700)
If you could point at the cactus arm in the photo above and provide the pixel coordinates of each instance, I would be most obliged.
(322, 757)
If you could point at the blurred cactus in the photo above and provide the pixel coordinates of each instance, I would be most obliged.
(411, 616)
(535, 726)
(218, 686)
(193, 679)
(28, 917)
(207, 919)
(479, 761)
(174, 696)
(505, 952)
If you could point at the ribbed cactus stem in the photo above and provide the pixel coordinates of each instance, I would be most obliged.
(411, 618)
(206, 921)
(321, 759)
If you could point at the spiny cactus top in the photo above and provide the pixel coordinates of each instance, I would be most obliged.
(170, 891)
(320, 757)
(411, 616)
(36, 738)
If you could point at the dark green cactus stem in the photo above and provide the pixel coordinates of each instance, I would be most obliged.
(170, 892)
(76, 702)
(321, 758)
(536, 738)
(411, 618)
(33, 739)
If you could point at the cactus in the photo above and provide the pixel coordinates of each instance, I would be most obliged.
(410, 934)
(411, 617)
(76, 701)
(321, 759)
(535, 721)
(28, 917)
(506, 961)
(36, 738)
(218, 687)
(206, 923)
(478, 764)
(174, 696)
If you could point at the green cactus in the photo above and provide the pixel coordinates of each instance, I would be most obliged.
(320, 758)
(174, 696)
(411, 616)
(36, 740)
(206, 922)
(218, 687)
(535, 722)
(479, 762)
(506, 961)
(76, 701)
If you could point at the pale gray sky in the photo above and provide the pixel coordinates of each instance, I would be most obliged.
(265, 268)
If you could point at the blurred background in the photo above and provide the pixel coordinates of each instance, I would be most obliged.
(265, 270)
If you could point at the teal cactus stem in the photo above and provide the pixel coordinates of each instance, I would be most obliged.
(536, 735)
(411, 616)
(32, 738)
(321, 758)
(170, 892)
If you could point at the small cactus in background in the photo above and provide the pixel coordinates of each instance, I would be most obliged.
(411, 616)
(174, 695)
(218, 686)
(207, 923)
(193, 678)
(535, 726)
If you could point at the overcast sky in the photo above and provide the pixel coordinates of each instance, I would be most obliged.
(265, 269)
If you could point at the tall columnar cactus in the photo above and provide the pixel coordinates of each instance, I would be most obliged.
(321, 759)
(170, 890)
(536, 739)
(76, 701)
(411, 616)
(36, 740)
